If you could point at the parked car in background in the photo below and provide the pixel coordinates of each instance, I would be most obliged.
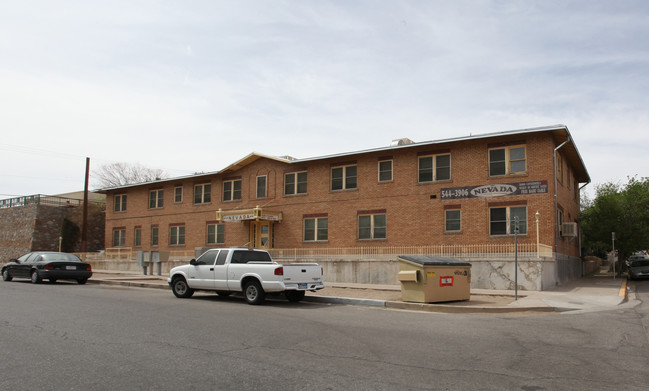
(638, 266)
(47, 265)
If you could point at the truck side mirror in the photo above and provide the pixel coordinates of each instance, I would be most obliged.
(193, 262)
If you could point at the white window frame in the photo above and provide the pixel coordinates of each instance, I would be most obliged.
(383, 170)
(219, 232)
(374, 233)
(297, 187)
(137, 237)
(119, 203)
(176, 194)
(158, 201)
(345, 185)
(264, 194)
(176, 235)
(119, 237)
(435, 177)
(155, 235)
(320, 229)
(233, 191)
(446, 220)
(508, 161)
(199, 189)
(509, 221)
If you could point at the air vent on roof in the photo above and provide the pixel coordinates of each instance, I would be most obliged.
(401, 141)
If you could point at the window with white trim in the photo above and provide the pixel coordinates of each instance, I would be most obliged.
(232, 190)
(156, 199)
(177, 235)
(215, 233)
(344, 177)
(295, 183)
(435, 168)
(119, 237)
(507, 160)
(385, 170)
(119, 201)
(453, 220)
(154, 235)
(202, 193)
(502, 220)
(138, 237)
(178, 194)
(316, 229)
(372, 226)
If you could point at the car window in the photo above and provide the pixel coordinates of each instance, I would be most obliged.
(56, 257)
(24, 257)
(220, 260)
(207, 258)
(35, 257)
(243, 256)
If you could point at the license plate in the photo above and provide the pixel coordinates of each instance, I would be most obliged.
(302, 286)
(70, 268)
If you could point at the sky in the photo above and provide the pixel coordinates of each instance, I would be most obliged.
(194, 86)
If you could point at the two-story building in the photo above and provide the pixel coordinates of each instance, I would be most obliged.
(468, 193)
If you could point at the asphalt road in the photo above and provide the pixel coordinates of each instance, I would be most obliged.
(93, 337)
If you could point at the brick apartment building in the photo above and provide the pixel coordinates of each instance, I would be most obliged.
(463, 191)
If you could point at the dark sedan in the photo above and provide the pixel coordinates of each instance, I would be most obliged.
(43, 265)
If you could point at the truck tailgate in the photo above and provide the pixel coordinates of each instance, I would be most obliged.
(303, 273)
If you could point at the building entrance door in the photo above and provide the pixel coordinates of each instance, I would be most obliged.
(261, 234)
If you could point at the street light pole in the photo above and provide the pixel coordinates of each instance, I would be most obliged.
(516, 258)
(538, 250)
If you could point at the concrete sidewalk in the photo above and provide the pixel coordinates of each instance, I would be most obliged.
(589, 293)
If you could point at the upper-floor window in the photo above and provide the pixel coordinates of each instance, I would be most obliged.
(120, 203)
(435, 168)
(559, 167)
(178, 194)
(156, 199)
(507, 160)
(372, 226)
(505, 220)
(295, 183)
(453, 220)
(232, 190)
(344, 177)
(385, 170)
(215, 233)
(316, 229)
(203, 193)
(177, 235)
(261, 186)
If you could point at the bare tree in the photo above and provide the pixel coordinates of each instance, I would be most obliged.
(120, 174)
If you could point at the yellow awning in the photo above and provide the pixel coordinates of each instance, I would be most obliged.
(255, 214)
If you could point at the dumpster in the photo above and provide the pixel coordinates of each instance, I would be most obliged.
(426, 279)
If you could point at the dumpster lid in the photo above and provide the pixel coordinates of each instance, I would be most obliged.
(427, 260)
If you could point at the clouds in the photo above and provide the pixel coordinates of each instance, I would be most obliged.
(196, 86)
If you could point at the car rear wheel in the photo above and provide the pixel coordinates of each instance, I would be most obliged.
(254, 293)
(294, 296)
(181, 289)
(6, 276)
(36, 278)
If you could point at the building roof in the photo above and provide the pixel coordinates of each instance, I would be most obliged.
(560, 133)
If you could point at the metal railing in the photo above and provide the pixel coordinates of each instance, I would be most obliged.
(40, 199)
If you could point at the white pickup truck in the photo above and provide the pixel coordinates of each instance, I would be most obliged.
(249, 271)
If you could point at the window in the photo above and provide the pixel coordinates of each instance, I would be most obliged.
(119, 237)
(261, 186)
(559, 167)
(203, 193)
(156, 198)
(120, 203)
(178, 194)
(207, 258)
(453, 220)
(316, 229)
(502, 220)
(232, 190)
(138, 237)
(295, 183)
(385, 171)
(177, 235)
(506, 161)
(154, 235)
(215, 233)
(343, 178)
(435, 168)
(372, 226)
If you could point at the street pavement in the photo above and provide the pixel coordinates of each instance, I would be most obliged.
(597, 292)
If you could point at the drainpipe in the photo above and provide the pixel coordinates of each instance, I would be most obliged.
(556, 201)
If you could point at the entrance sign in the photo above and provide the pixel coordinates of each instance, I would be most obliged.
(496, 190)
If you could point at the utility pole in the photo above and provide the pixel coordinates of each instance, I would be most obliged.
(516, 227)
(84, 224)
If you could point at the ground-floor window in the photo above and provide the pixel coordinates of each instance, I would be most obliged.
(372, 226)
(453, 220)
(316, 229)
(502, 221)
(154, 235)
(215, 233)
(119, 237)
(138, 237)
(177, 235)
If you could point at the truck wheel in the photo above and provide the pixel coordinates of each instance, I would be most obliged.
(253, 292)
(180, 288)
(294, 296)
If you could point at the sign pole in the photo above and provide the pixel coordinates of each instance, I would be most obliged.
(516, 258)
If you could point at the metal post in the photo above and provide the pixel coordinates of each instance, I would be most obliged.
(516, 258)
(538, 250)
